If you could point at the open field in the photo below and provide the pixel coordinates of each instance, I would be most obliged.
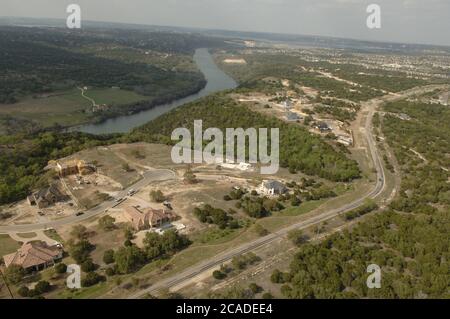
(114, 96)
(67, 107)
(7, 245)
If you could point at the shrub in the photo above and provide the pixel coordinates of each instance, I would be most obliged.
(217, 274)
(296, 201)
(91, 279)
(267, 295)
(297, 237)
(157, 196)
(277, 277)
(110, 272)
(88, 266)
(23, 291)
(128, 243)
(80, 251)
(14, 274)
(107, 223)
(255, 288)
(60, 268)
(108, 256)
(261, 231)
(42, 287)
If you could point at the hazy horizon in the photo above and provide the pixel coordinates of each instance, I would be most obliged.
(403, 21)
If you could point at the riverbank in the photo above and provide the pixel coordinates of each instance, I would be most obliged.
(216, 80)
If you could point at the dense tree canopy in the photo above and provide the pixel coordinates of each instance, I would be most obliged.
(299, 149)
(410, 241)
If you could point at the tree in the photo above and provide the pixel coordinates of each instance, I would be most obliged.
(60, 268)
(128, 233)
(267, 295)
(107, 223)
(172, 241)
(261, 231)
(238, 263)
(255, 288)
(92, 278)
(80, 251)
(129, 259)
(108, 256)
(297, 237)
(14, 274)
(23, 291)
(156, 245)
(157, 196)
(128, 243)
(79, 232)
(88, 265)
(42, 287)
(110, 272)
(277, 277)
(217, 274)
(296, 201)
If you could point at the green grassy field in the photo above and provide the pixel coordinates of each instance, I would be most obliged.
(7, 245)
(27, 235)
(114, 96)
(67, 107)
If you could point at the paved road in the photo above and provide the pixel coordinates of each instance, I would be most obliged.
(147, 178)
(226, 256)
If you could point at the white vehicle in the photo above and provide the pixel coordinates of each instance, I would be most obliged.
(131, 192)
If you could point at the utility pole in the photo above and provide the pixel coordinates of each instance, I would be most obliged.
(6, 284)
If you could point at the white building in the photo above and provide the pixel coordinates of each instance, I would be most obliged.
(272, 187)
(241, 166)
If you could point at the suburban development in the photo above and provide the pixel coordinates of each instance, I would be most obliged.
(89, 186)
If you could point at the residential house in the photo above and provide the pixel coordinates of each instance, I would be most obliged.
(323, 127)
(34, 256)
(287, 105)
(272, 187)
(147, 218)
(46, 197)
(75, 167)
(293, 117)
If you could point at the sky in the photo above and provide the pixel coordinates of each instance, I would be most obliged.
(407, 21)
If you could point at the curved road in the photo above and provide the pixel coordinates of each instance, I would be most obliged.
(226, 256)
(147, 177)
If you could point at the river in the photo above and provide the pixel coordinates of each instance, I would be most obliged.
(216, 79)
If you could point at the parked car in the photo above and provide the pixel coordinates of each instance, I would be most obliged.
(79, 214)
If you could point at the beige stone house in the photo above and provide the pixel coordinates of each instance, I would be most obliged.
(147, 218)
(34, 256)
